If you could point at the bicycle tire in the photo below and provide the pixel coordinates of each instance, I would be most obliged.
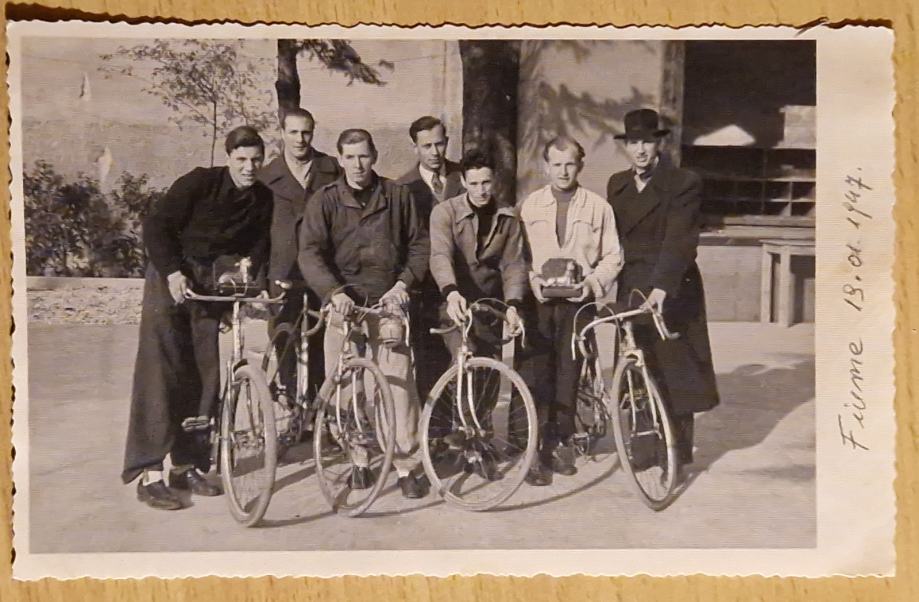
(258, 429)
(592, 417)
(288, 423)
(334, 460)
(634, 453)
(437, 462)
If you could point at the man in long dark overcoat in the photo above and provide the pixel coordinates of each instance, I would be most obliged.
(208, 213)
(294, 177)
(658, 215)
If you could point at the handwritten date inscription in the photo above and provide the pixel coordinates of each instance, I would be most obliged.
(851, 416)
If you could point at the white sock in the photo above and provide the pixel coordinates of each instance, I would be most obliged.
(152, 476)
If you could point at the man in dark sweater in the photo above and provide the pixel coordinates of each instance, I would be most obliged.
(207, 214)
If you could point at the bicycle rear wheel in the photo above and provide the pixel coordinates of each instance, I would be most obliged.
(592, 415)
(478, 451)
(287, 410)
(644, 434)
(248, 445)
(354, 437)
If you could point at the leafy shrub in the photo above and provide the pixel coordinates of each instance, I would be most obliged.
(74, 229)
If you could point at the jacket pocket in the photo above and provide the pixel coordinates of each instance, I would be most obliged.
(585, 241)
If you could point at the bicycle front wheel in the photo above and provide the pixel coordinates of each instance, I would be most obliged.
(479, 442)
(248, 445)
(354, 437)
(644, 434)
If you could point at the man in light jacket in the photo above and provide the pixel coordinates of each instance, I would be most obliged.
(562, 220)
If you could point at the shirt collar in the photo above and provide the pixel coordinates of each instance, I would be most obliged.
(292, 166)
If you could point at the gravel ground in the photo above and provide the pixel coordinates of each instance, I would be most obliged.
(87, 305)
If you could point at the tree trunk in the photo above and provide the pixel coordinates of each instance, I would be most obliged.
(213, 132)
(288, 82)
(491, 71)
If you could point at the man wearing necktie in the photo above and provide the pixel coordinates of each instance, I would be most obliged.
(432, 180)
(658, 213)
(293, 177)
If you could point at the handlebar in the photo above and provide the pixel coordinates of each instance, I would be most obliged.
(193, 296)
(479, 307)
(655, 314)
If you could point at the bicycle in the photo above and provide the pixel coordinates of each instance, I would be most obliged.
(479, 425)
(295, 410)
(354, 425)
(244, 450)
(642, 427)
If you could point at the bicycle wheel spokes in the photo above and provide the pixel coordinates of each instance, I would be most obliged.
(644, 436)
(478, 449)
(592, 417)
(287, 413)
(248, 446)
(353, 443)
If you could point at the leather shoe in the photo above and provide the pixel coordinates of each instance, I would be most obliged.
(485, 466)
(157, 495)
(423, 482)
(361, 478)
(191, 480)
(411, 488)
(560, 461)
(538, 475)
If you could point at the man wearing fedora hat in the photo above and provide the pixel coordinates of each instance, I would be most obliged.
(658, 215)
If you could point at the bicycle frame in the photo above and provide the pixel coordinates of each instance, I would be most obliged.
(236, 355)
(628, 347)
(462, 356)
(348, 324)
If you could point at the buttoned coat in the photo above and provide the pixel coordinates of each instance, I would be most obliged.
(369, 247)
(289, 200)
(422, 193)
(659, 230)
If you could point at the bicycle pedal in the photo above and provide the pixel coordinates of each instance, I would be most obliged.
(195, 424)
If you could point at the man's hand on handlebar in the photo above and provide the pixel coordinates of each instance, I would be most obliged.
(514, 323)
(396, 297)
(342, 304)
(456, 307)
(178, 286)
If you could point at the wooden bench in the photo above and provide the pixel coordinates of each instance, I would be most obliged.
(785, 250)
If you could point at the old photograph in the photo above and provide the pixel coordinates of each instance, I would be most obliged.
(358, 292)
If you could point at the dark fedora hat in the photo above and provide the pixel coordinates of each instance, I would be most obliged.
(642, 124)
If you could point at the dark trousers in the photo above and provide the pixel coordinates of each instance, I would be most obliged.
(177, 372)
(683, 418)
(550, 371)
(287, 354)
(431, 356)
(684, 430)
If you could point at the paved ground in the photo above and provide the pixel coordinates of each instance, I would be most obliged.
(755, 486)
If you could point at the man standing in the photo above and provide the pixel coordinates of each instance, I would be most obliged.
(208, 213)
(477, 253)
(477, 250)
(293, 177)
(431, 181)
(657, 209)
(563, 221)
(364, 231)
